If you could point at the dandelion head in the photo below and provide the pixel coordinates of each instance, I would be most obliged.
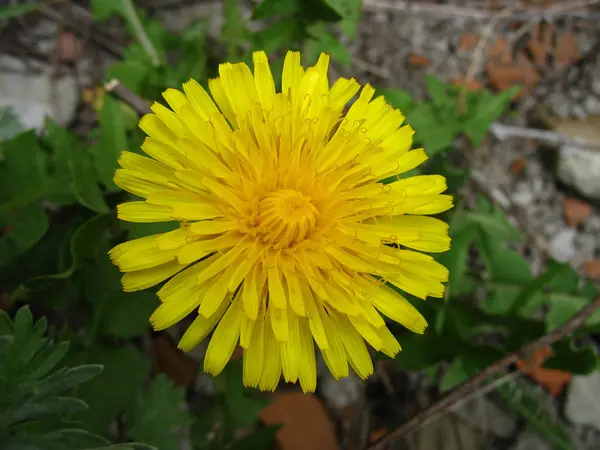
(288, 239)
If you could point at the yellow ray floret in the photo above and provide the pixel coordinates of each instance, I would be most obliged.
(288, 237)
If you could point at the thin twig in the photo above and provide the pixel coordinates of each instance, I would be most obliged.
(478, 54)
(502, 132)
(115, 88)
(575, 9)
(140, 32)
(470, 385)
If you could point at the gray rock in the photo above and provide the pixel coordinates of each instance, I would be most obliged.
(487, 417)
(562, 245)
(446, 433)
(580, 169)
(582, 406)
(34, 97)
(339, 393)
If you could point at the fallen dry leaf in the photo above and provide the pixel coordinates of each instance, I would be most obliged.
(575, 211)
(377, 434)
(468, 41)
(471, 85)
(552, 380)
(306, 425)
(540, 43)
(518, 165)
(173, 362)
(566, 50)
(503, 77)
(416, 60)
(591, 268)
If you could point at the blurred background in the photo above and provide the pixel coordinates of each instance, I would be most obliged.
(505, 98)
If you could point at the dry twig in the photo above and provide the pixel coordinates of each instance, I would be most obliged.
(115, 88)
(470, 385)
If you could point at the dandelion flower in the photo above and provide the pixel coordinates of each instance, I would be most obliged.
(287, 234)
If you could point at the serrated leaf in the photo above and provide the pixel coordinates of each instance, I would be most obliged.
(487, 109)
(67, 378)
(157, 415)
(116, 388)
(112, 141)
(434, 134)
(44, 361)
(48, 406)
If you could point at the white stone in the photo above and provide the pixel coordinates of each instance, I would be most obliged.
(582, 405)
(562, 245)
(580, 169)
(34, 97)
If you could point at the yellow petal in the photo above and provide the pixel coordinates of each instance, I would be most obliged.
(224, 340)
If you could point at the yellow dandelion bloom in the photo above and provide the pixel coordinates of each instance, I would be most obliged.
(286, 229)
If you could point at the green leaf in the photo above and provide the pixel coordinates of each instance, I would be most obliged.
(398, 98)
(323, 41)
(455, 375)
(243, 405)
(504, 265)
(349, 10)
(112, 141)
(488, 108)
(10, 125)
(103, 9)
(269, 8)
(72, 158)
(116, 388)
(131, 74)
(20, 230)
(84, 243)
(436, 89)
(12, 11)
(420, 351)
(206, 432)
(156, 416)
(23, 172)
(569, 358)
(521, 398)
(233, 32)
(280, 34)
(120, 314)
(67, 378)
(49, 406)
(429, 130)
(455, 260)
(564, 306)
(491, 221)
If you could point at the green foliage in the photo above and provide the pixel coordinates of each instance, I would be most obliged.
(34, 410)
(57, 223)
(449, 112)
(522, 400)
(157, 415)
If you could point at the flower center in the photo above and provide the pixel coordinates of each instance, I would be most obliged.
(285, 218)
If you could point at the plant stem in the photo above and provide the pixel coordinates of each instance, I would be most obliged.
(139, 31)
